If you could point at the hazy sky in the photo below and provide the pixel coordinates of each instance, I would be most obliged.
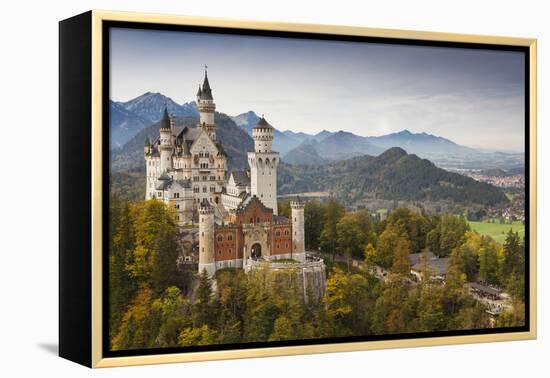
(473, 97)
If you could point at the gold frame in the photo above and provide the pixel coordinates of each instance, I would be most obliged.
(97, 188)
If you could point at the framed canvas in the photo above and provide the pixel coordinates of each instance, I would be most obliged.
(234, 189)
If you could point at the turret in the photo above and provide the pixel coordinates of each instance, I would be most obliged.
(263, 164)
(166, 142)
(298, 243)
(262, 134)
(207, 108)
(147, 146)
(206, 239)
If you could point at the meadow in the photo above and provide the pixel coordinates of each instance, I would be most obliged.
(498, 230)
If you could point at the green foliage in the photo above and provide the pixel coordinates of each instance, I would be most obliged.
(490, 263)
(197, 336)
(284, 209)
(203, 314)
(415, 225)
(370, 256)
(149, 310)
(353, 231)
(313, 224)
(387, 245)
(156, 250)
(401, 264)
(332, 212)
(447, 234)
(122, 287)
(348, 299)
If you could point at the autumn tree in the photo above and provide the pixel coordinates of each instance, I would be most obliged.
(401, 263)
(387, 245)
(173, 313)
(447, 235)
(332, 212)
(313, 224)
(156, 251)
(415, 225)
(202, 311)
(122, 287)
(353, 231)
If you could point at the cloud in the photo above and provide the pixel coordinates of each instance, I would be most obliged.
(468, 95)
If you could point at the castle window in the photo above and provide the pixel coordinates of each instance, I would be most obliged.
(278, 233)
(220, 252)
(258, 219)
(220, 238)
(230, 237)
(287, 245)
(277, 245)
(177, 218)
(159, 194)
(229, 250)
(286, 232)
(204, 189)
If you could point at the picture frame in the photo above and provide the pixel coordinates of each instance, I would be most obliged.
(84, 83)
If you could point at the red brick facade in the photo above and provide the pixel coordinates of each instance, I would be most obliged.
(229, 239)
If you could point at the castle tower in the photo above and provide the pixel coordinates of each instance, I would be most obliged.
(206, 239)
(206, 107)
(166, 142)
(263, 164)
(298, 243)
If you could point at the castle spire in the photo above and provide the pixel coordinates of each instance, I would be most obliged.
(206, 93)
(165, 121)
(199, 92)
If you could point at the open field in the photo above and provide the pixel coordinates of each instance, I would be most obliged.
(498, 230)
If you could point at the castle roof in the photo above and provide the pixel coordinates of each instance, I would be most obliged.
(206, 92)
(263, 124)
(199, 92)
(165, 182)
(241, 177)
(190, 134)
(249, 201)
(280, 219)
(165, 121)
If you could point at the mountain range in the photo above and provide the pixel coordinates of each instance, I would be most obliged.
(392, 175)
(326, 146)
(129, 118)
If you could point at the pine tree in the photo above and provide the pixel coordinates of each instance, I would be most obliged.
(203, 297)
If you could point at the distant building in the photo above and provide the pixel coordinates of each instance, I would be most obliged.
(420, 262)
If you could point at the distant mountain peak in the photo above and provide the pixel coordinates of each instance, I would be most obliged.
(394, 152)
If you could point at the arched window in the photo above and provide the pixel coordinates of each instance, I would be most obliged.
(229, 237)
(220, 238)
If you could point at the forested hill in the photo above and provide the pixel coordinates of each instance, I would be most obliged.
(393, 175)
(235, 142)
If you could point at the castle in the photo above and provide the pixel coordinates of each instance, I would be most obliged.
(237, 217)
